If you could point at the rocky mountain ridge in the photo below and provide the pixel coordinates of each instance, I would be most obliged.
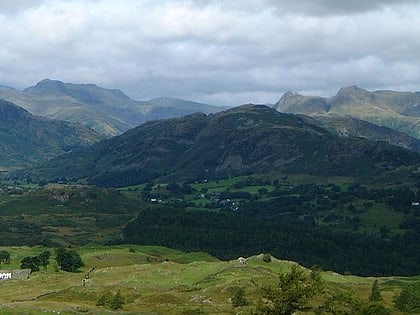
(107, 111)
(396, 110)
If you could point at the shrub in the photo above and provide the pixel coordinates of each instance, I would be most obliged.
(375, 295)
(114, 302)
(267, 258)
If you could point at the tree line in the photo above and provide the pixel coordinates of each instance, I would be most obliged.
(66, 259)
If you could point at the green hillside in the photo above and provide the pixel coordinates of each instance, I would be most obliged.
(26, 140)
(243, 140)
(157, 280)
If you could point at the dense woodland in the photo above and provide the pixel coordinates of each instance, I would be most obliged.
(317, 225)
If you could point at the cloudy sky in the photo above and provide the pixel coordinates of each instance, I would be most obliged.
(213, 51)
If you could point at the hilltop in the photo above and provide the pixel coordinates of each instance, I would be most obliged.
(396, 110)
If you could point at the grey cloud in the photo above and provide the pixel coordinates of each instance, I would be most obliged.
(333, 7)
(16, 6)
(214, 51)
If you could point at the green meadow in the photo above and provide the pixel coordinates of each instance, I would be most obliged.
(159, 280)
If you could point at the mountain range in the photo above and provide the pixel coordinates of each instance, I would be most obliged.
(242, 140)
(110, 112)
(396, 110)
(107, 111)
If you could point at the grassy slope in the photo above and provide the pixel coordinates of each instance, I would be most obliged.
(156, 280)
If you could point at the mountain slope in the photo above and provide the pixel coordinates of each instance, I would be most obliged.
(396, 110)
(345, 126)
(107, 111)
(249, 138)
(26, 139)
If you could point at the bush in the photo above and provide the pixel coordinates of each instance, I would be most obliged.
(375, 295)
(4, 257)
(409, 298)
(267, 258)
(114, 302)
(239, 299)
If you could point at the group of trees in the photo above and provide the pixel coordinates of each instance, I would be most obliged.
(67, 260)
(34, 262)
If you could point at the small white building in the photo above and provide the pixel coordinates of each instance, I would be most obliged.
(17, 274)
(242, 261)
(5, 275)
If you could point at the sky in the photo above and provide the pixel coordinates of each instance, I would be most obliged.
(213, 51)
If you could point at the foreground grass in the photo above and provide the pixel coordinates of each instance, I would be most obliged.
(156, 280)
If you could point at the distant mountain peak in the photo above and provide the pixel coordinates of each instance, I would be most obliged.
(47, 87)
(354, 92)
(288, 97)
(295, 102)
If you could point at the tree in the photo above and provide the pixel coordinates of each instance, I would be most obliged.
(44, 258)
(68, 260)
(344, 303)
(4, 257)
(30, 262)
(375, 294)
(293, 293)
(239, 299)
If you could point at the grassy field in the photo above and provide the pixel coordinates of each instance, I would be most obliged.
(157, 280)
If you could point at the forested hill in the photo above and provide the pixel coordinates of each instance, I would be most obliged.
(246, 139)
